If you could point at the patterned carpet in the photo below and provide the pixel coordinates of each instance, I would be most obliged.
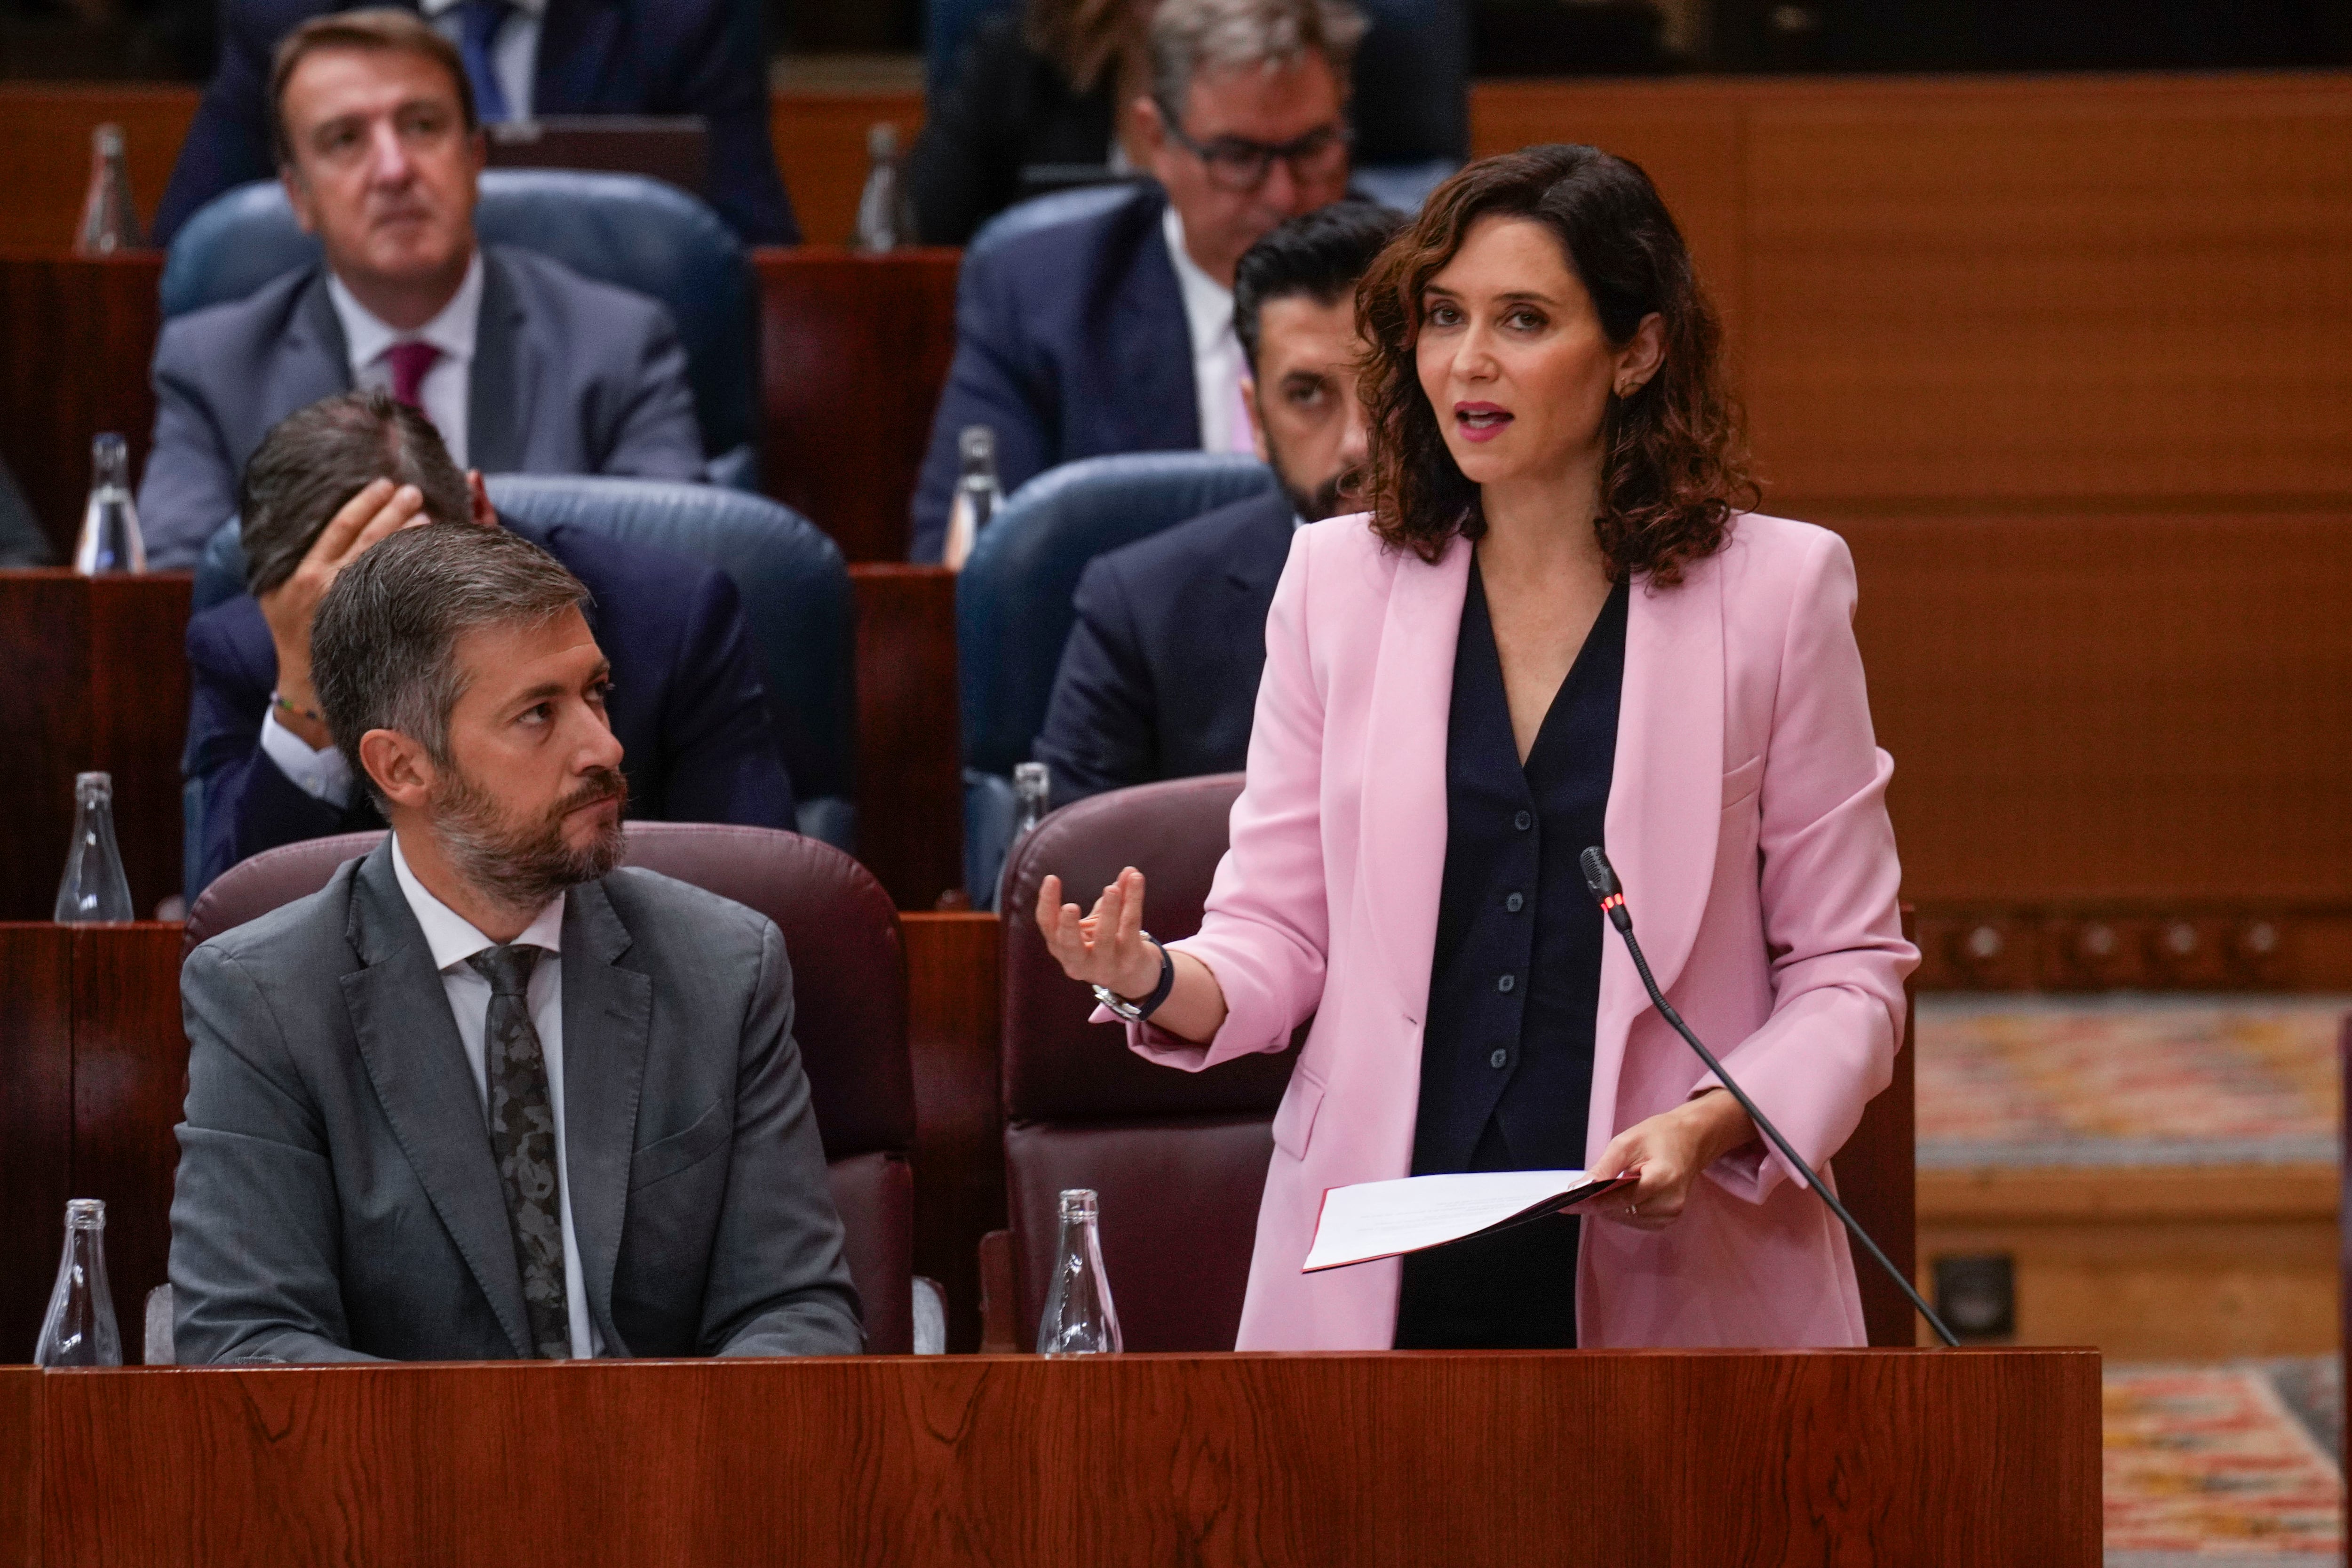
(2223, 1467)
(2128, 1081)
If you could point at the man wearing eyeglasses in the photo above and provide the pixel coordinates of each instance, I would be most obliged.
(1113, 332)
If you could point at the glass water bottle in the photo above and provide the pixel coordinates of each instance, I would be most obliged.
(78, 1329)
(885, 218)
(1079, 1317)
(93, 890)
(1033, 790)
(109, 222)
(977, 493)
(111, 540)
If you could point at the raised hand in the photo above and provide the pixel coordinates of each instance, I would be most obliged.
(1105, 948)
(378, 511)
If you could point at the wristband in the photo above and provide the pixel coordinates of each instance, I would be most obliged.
(1137, 1011)
(312, 714)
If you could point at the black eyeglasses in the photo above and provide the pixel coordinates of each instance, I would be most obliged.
(1241, 165)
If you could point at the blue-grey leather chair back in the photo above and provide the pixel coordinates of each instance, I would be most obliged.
(623, 229)
(1014, 610)
(796, 602)
(1045, 212)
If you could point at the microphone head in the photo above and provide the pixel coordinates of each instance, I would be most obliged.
(1600, 876)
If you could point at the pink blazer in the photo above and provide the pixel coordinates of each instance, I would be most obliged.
(1747, 818)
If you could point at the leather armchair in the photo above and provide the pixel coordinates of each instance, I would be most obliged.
(796, 601)
(1179, 1158)
(623, 229)
(849, 994)
(1013, 609)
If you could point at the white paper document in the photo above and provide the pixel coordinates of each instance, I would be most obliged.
(1382, 1219)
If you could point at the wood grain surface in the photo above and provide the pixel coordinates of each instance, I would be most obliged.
(909, 767)
(1957, 1457)
(853, 352)
(953, 1029)
(35, 1129)
(20, 1467)
(98, 682)
(129, 1083)
(76, 336)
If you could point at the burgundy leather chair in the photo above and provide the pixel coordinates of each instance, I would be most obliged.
(849, 993)
(1180, 1158)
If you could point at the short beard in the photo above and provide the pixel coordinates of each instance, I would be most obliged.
(522, 868)
(1325, 499)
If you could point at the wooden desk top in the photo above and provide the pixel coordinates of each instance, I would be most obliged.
(1659, 1457)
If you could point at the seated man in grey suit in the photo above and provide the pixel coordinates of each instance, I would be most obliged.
(522, 364)
(489, 1095)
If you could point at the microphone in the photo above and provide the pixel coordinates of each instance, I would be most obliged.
(1601, 878)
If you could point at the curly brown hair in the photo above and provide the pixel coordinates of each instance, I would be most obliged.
(1675, 469)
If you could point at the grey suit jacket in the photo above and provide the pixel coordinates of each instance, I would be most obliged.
(570, 376)
(337, 1198)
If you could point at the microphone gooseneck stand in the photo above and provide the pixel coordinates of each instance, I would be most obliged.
(1601, 878)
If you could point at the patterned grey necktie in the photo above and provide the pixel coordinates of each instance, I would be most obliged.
(522, 1139)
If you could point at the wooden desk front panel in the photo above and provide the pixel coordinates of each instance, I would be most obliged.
(1956, 1458)
(93, 1069)
(98, 681)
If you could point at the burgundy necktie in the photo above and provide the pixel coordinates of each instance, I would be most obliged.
(410, 361)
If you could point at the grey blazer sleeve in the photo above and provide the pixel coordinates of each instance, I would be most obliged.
(653, 433)
(189, 486)
(779, 1282)
(255, 1226)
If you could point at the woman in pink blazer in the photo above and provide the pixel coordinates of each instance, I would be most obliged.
(1558, 624)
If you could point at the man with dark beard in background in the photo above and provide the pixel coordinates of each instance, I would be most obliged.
(1160, 676)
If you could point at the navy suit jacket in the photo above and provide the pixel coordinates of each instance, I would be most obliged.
(687, 703)
(1070, 342)
(569, 377)
(1159, 680)
(595, 56)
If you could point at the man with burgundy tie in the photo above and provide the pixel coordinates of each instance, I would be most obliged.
(528, 58)
(488, 1094)
(523, 365)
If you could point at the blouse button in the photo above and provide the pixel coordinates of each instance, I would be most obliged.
(1507, 982)
(1524, 821)
(1498, 1058)
(1516, 902)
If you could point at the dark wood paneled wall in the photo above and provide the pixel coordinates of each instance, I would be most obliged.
(953, 1033)
(909, 772)
(96, 680)
(853, 352)
(93, 1066)
(1960, 1457)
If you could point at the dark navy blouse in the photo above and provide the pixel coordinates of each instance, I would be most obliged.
(1514, 984)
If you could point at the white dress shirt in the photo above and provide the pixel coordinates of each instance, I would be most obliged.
(321, 775)
(446, 391)
(453, 940)
(1216, 348)
(514, 53)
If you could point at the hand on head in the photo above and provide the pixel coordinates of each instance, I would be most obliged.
(375, 513)
(1105, 948)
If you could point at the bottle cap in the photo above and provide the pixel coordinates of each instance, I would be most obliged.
(977, 443)
(86, 1213)
(93, 787)
(881, 140)
(107, 141)
(1079, 1202)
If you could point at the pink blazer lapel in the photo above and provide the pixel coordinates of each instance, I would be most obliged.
(1402, 836)
(1666, 806)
